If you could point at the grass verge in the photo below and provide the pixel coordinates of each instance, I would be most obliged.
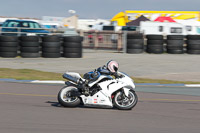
(29, 74)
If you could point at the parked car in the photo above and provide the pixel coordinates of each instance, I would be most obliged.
(129, 28)
(22, 27)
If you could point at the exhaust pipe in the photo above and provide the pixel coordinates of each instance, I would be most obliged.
(70, 78)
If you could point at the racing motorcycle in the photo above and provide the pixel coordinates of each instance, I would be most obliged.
(102, 91)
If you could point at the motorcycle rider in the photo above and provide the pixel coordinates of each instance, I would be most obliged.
(111, 68)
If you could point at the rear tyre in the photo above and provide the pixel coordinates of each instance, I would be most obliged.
(65, 99)
(122, 102)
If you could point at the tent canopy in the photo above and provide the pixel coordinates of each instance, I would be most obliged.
(164, 19)
(137, 21)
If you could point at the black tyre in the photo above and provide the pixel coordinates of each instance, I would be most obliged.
(122, 102)
(77, 39)
(30, 49)
(154, 37)
(72, 50)
(175, 37)
(30, 55)
(29, 44)
(155, 46)
(193, 42)
(135, 51)
(9, 44)
(193, 47)
(193, 51)
(51, 50)
(51, 44)
(174, 47)
(51, 55)
(72, 55)
(29, 38)
(175, 42)
(156, 49)
(8, 49)
(51, 39)
(8, 39)
(155, 41)
(193, 37)
(135, 41)
(135, 46)
(175, 51)
(8, 54)
(65, 98)
(72, 45)
(135, 36)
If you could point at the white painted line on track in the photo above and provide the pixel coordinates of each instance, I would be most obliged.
(63, 82)
(192, 85)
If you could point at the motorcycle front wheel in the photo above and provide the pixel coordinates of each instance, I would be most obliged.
(122, 102)
(66, 99)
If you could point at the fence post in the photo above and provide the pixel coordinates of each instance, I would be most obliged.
(124, 41)
(81, 33)
(96, 41)
(119, 41)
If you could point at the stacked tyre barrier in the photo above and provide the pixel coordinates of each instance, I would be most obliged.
(193, 44)
(51, 47)
(135, 43)
(155, 44)
(30, 46)
(72, 46)
(8, 46)
(175, 44)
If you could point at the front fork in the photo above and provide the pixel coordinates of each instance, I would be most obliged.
(126, 91)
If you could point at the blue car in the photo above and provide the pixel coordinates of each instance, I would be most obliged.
(22, 27)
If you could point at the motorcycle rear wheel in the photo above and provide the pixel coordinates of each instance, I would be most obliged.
(122, 102)
(65, 99)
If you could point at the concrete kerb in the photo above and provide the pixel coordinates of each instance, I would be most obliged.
(63, 82)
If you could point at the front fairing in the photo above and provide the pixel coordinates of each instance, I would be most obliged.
(111, 86)
(126, 79)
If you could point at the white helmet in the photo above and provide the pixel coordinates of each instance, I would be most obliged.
(112, 66)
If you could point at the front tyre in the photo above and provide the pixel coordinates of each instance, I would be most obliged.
(66, 99)
(122, 102)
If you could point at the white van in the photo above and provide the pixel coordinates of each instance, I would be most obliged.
(162, 28)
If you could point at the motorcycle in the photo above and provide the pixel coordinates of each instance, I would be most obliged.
(103, 91)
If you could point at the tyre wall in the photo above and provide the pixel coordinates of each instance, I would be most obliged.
(51, 47)
(30, 46)
(8, 46)
(175, 44)
(135, 43)
(155, 44)
(193, 44)
(72, 46)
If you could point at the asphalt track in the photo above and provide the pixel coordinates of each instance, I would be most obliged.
(33, 108)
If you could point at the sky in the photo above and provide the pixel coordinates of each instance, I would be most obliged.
(89, 9)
